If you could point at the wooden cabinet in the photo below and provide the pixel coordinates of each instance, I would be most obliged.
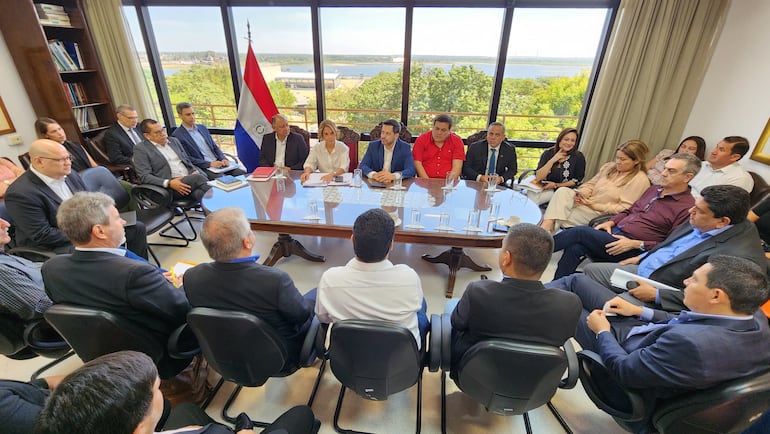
(48, 87)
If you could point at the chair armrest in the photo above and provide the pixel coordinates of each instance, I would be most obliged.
(604, 390)
(434, 349)
(308, 352)
(572, 366)
(184, 338)
(39, 335)
(446, 341)
(32, 254)
(320, 341)
(599, 220)
(525, 174)
(150, 196)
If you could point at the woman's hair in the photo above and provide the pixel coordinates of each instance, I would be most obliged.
(41, 127)
(561, 135)
(326, 123)
(636, 150)
(701, 152)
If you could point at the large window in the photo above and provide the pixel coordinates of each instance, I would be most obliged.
(536, 83)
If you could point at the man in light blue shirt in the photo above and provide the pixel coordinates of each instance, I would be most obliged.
(200, 146)
(717, 225)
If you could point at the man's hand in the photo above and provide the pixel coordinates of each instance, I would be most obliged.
(384, 176)
(224, 163)
(622, 245)
(644, 292)
(597, 321)
(622, 307)
(178, 186)
(606, 226)
(216, 164)
(631, 261)
(548, 185)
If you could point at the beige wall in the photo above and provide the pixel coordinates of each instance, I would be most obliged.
(18, 106)
(735, 96)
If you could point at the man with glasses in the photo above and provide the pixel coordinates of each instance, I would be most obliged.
(34, 198)
(119, 140)
(161, 160)
(652, 218)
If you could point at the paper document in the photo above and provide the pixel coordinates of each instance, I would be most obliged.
(315, 180)
(529, 184)
(225, 169)
(620, 277)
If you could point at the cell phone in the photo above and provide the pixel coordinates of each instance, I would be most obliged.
(376, 184)
(499, 228)
(338, 178)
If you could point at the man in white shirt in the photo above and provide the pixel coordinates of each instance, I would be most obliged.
(722, 167)
(369, 286)
(161, 160)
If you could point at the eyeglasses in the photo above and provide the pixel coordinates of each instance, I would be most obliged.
(60, 160)
(160, 131)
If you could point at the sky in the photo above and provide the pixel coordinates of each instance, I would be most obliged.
(437, 31)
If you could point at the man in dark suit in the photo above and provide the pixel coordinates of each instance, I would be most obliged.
(519, 307)
(33, 199)
(160, 160)
(282, 148)
(717, 225)
(134, 289)
(200, 146)
(399, 156)
(491, 155)
(119, 140)
(229, 282)
(723, 336)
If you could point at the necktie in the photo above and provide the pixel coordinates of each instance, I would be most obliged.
(134, 136)
(492, 162)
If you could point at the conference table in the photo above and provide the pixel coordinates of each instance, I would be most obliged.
(284, 206)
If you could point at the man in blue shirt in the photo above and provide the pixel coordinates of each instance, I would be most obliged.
(200, 146)
(717, 225)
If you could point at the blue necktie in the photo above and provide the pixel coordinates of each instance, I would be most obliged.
(492, 162)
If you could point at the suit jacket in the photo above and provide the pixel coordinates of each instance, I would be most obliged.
(689, 355)
(80, 161)
(477, 156)
(741, 240)
(513, 309)
(21, 404)
(151, 165)
(135, 290)
(32, 205)
(296, 151)
(232, 286)
(191, 147)
(117, 144)
(402, 160)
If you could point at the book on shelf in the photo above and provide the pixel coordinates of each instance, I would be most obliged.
(61, 56)
(47, 7)
(86, 118)
(54, 15)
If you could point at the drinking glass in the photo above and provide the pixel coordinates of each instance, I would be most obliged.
(473, 221)
(312, 209)
(449, 181)
(278, 172)
(414, 219)
(397, 183)
(357, 177)
(492, 182)
(494, 211)
(443, 222)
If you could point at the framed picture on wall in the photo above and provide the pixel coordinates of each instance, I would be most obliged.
(762, 150)
(6, 126)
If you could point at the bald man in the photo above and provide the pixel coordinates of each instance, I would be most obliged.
(33, 199)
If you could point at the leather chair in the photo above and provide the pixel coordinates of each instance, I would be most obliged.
(475, 137)
(404, 134)
(508, 377)
(30, 253)
(729, 407)
(245, 350)
(93, 333)
(301, 132)
(95, 148)
(20, 340)
(100, 179)
(156, 200)
(761, 189)
(350, 138)
(25, 160)
(375, 359)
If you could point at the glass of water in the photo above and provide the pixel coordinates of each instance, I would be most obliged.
(397, 183)
(449, 181)
(492, 182)
(357, 177)
(278, 172)
(494, 211)
(473, 221)
(443, 222)
(414, 219)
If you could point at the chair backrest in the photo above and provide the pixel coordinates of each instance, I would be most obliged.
(761, 189)
(302, 132)
(239, 346)
(511, 377)
(350, 138)
(92, 332)
(374, 358)
(404, 134)
(11, 335)
(100, 179)
(25, 160)
(95, 148)
(475, 137)
(728, 407)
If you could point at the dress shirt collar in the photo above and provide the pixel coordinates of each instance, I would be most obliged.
(242, 260)
(686, 316)
(115, 251)
(193, 128)
(711, 233)
(47, 179)
(369, 266)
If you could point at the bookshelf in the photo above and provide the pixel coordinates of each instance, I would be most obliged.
(56, 59)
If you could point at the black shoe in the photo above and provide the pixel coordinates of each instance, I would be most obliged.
(243, 422)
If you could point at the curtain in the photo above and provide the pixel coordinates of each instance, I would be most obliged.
(118, 56)
(656, 60)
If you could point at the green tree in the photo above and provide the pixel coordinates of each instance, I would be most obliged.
(281, 95)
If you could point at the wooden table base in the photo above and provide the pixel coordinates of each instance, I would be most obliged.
(287, 246)
(455, 258)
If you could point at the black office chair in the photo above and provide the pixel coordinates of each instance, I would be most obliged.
(100, 179)
(153, 197)
(244, 350)
(20, 341)
(375, 359)
(93, 333)
(30, 253)
(728, 407)
(508, 377)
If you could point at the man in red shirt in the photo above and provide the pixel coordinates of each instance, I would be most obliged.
(439, 150)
